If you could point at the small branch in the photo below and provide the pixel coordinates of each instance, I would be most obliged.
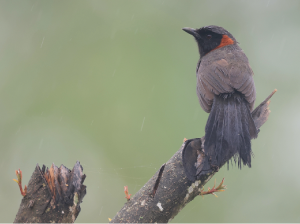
(127, 195)
(19, 182)
(261, 113)
(212, 191)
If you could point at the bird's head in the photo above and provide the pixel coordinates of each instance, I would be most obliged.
(210, 38)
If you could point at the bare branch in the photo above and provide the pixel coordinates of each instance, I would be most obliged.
(178, 183)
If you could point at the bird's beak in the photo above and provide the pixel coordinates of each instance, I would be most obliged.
(191, 31)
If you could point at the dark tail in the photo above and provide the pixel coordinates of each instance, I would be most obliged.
(229, 130)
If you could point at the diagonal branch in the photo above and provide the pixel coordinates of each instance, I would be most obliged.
(176, 185)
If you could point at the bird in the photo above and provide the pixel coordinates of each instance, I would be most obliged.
(226, 90)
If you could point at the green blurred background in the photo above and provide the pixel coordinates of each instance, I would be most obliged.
(112, 84)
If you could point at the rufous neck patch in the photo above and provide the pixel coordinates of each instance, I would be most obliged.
(226, 40)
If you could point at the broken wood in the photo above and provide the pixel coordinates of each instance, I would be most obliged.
(53, 195)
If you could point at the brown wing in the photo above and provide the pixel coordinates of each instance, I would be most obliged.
(241, 78)
(221, 76)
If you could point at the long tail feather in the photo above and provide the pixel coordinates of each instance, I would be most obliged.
(229, 130)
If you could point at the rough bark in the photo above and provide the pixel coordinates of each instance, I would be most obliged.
(167, 192)
(53, 195)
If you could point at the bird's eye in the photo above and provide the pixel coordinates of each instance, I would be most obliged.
(208, 36)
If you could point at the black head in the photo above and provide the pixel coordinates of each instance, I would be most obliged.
(210, 38)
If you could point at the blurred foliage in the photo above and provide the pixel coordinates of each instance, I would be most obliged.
(112, 84)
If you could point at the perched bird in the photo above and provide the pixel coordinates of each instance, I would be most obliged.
(226, 90)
